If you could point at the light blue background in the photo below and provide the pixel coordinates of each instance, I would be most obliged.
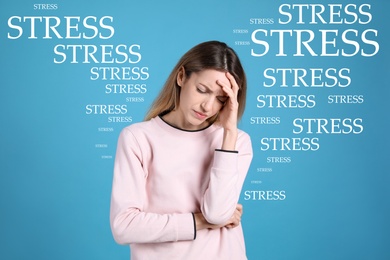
(55, 187)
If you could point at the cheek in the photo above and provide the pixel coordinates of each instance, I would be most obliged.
(217, 106)
(185, 96)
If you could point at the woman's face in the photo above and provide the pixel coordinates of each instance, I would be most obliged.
(201, 97)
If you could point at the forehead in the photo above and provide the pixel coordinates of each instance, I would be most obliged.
(209, 79)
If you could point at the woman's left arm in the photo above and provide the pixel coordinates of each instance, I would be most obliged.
(227, 176)
(231, 162)
(228, 114)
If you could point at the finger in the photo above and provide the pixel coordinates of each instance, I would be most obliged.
(232, 97)
(233, 82)
(239, 214)
(226, 88)
(233, 223)
(230, 225)
(241, 210)
(236, 216)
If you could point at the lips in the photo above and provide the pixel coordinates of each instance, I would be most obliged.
(200, 115)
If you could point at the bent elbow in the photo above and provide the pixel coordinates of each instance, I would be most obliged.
(122, 231)
(120, 235)
(217, 218)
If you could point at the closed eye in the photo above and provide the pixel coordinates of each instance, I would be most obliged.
(222, 99)
(200, 90)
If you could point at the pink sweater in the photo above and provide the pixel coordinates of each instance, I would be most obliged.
(161, 176)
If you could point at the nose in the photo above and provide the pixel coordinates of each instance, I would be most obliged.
(207, 104)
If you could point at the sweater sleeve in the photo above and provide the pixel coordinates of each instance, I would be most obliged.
(129, 222)
(227, 176)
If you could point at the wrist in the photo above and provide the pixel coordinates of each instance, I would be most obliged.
(229, 139)
(200, 221)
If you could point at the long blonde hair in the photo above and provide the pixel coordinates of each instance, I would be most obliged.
(207, 55)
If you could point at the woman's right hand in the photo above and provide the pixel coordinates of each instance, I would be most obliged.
(233, 222)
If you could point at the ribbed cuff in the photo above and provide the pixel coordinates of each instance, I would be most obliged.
(193, 216)
(184, 226)
(227, 151)
(225, 161)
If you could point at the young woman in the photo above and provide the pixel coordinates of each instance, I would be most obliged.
(178, 175)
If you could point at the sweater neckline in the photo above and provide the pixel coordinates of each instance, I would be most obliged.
(175, 130)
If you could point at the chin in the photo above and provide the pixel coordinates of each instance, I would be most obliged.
(197, 124)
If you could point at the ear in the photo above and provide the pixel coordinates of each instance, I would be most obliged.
(180, 76)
